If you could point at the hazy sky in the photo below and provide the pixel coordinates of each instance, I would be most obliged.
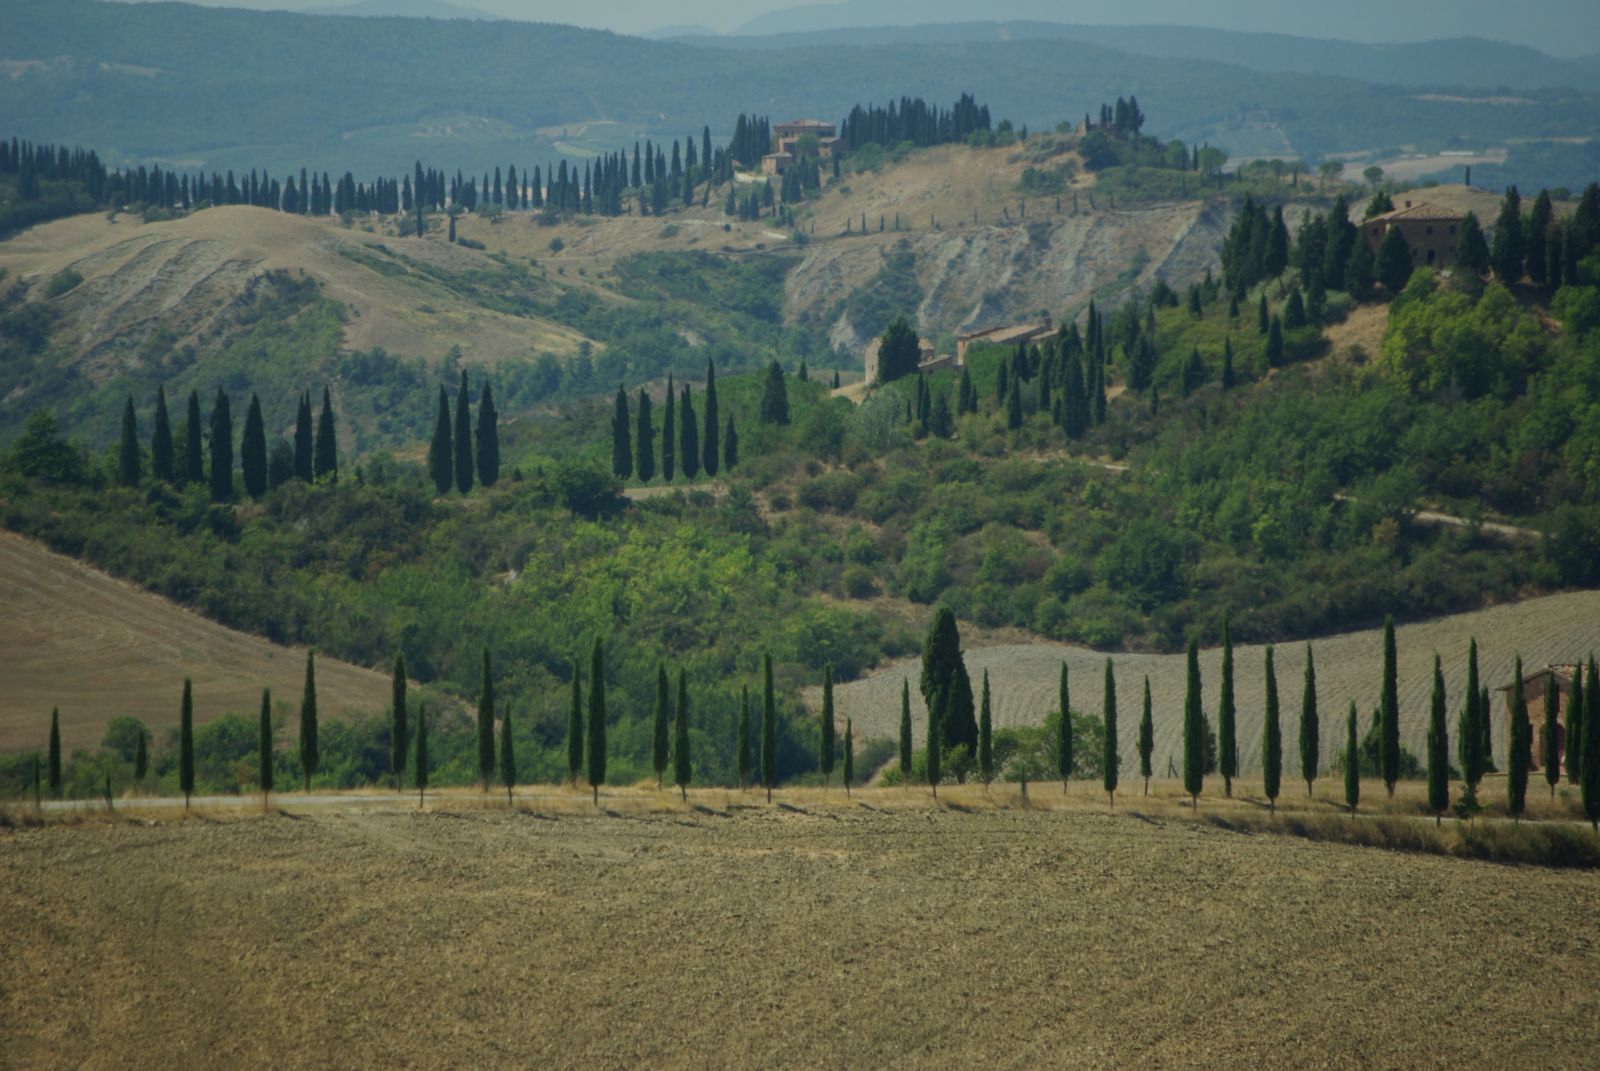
(1562, 27)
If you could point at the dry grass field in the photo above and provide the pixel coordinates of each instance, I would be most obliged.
(73, 637)
(813, 932)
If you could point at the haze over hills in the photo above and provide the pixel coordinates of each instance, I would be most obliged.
(410, 9)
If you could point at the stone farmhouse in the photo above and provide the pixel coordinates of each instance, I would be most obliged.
(1429, 230)
(786, 143)
(1004, 336)
(1533, 689)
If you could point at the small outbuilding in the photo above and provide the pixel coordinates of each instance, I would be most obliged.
(1534, 686)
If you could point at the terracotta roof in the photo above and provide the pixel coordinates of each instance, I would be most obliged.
(1423, 213)
(804, 124)
(1013, 333)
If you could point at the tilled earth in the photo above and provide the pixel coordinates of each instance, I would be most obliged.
(828, 935)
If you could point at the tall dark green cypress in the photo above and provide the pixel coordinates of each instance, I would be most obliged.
(575, 725)
(730, 446)
(399, 729)
(1310, 726)
(645, 454)
(1014, 404)
(986, 736)
(1064, 730)
(253, 450)
(161, 456)
(264, 760)
(936, 718)
(141, 756)
(221, 450)
(488, 438)
(508, 755)
(55, 753)
(769, 728)
(1471, 744)
(1552, 739)
(1576, 727)
(304, 446)
(1271, 740)
(621, 436)
(661, 738)
(669, 435)
(1487, 747)
(130, 462)
(744, 737)
(186, 743)
(441, 451)
(1438, 748)
(682, 769)
(1517, 761)
(325, 464)
(1194, 729)
(465, 469)
(1227, 738)
(1147, 738)
(1352, 762)
(1389, 710)
(711, 461)
(597, 719)
(826, 746)
(1591, 746)
(1111, 761)
(194, 468)
(486, 724)
(905, 732)
(309, 757)
(420, 753)
(689, 433)
(849, 751)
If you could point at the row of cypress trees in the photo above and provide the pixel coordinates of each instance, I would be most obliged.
(633, 450)
(458, 453)
(180, 460)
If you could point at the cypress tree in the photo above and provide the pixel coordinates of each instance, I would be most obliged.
(308, 722)
(936, 719)
(399, 730)
(194, 469)
(849, 751)
(1263, 320)
(1275, 343)
(304, 462)
(689, 432)
(961, 730)
(597, 719)
(769, 729)
(130, 463)
(621, 439)
(1591, 747)
(1471, 744)
(645, 455)
(1014, 405)
(1551, 741)
(161, 457)
(1112, 763)
(463, 438)
(1484, 727)
(1227, 364)
(660, 739)
(55, 752)
(1227, 742)
(1517, 762)
(1352, 763)
(825, 743)
(486, 725)
(774, 397)
(1194, 729)
(669, 435)
(1472, 252)
(1393, 267)
(1506, 251)
(441, 451)
(488, 438)
(421, 750)
(221, 450)
(508, 757)
(1389, 710)
(711, 460)
(1310, 725)
(264, 756)
(744, 737)
(186, 743)
(1576, 727)
(905, 731)
(575, 726)
(1147, 738)
(1064, 730)
(141, 756)
(326, 461)
(730, 446)
(680, 743)
(253, 451)
(985, 737)
(1271, 741)
(1438, 748)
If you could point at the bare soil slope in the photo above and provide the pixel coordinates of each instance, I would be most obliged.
(99, 647)
(769, 937)
(1024, 679)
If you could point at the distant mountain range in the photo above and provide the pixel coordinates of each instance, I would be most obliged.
(407, 9)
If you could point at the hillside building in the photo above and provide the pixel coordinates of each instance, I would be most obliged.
(1430, 231)
(786, 146)
(1011, 335)
(1533, 689)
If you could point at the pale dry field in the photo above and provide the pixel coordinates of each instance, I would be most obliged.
(1024, 678)
(728, 933)
(97, 647)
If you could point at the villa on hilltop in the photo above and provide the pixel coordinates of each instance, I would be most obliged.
(786, 143)
(1430, 231)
